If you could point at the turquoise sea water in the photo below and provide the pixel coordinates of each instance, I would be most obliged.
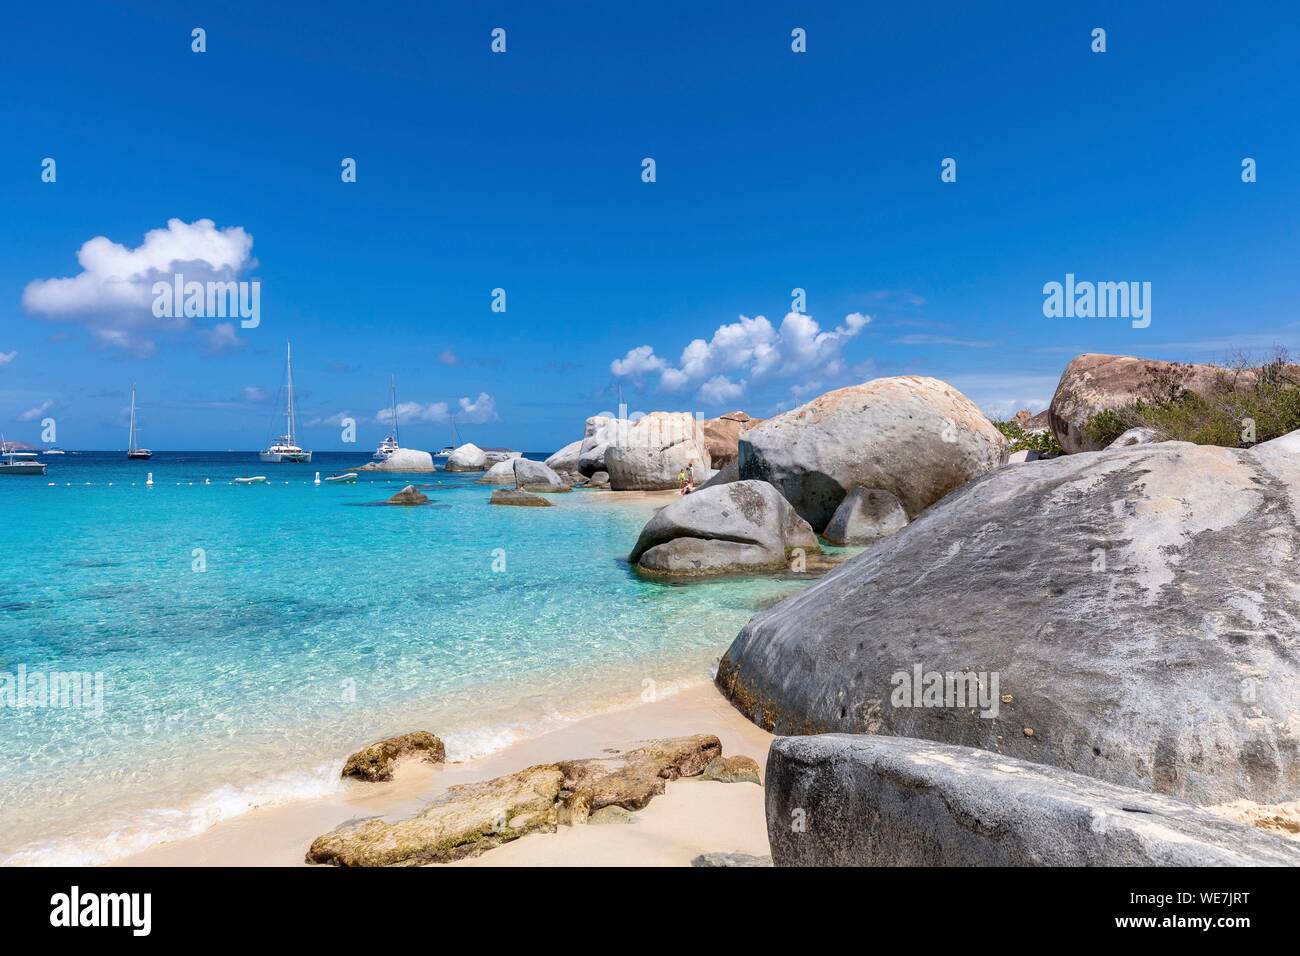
(320, 623)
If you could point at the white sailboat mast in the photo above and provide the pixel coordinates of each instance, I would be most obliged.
(130, 446)
(288, 377)
(392, 394)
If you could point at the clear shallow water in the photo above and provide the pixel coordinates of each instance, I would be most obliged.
(319, 624)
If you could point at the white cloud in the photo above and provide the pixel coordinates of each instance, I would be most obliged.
(448, 357)
(252, 393)
(475, 412)
(7, 357)
(749, 347)
(222, 338)
(112, 295)
(34, 413)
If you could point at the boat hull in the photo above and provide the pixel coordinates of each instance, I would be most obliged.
(139, 454)
(22, 468)
(280, 458)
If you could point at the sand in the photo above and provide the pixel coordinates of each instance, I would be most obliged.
(693, 817)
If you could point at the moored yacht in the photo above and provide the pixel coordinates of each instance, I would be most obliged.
(132, 451)
(389, 444)
(285, 447)
(19, 462)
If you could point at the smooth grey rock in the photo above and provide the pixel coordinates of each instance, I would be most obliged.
(598, 432)
(845, 800)
(648, 454)
(1018, 457)
(566, 459)
(468, 457)
(535, 476)
(731, 859)
(502, 473)
(864, 517)
(494, 456)
(1138, 605)
(744, 526)
(1135, 436)
(723, 476)
(409, 495)
(916, 437)
(598, 479)
(402, 459)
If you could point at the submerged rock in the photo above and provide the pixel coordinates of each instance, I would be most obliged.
(741, 527)
(894, 801)
(1136, 606)
(864, 517)
(535, 476)
(468, 457)
(915, 437)
(409, 496)
(375, 762)
(513, 496)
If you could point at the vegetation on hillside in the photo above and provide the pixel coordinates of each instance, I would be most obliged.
(1245, 404)
(1021, 440)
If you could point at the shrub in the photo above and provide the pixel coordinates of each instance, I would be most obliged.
(1043, 442)
(1244, 405)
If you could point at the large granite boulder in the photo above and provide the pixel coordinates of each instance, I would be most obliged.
(723, 476)
(494, 456)
(597, 434)
(915, 437)
(741, 527)
(843, 800)
(376, 762)
(722, 436)
(402, 460)
(649, 453)
(1137, 608)
(535, 476)
(864, 517)
(468, 457)
(502, 473)
(566, 459)
(1093, 383)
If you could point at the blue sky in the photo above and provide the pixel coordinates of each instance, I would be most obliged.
(522, 171)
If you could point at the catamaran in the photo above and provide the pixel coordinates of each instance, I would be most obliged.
(285, 447)
(389, 444)
(131, 450)
(16, 462)
(455, 437)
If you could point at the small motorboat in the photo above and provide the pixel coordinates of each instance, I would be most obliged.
(347, 478)
(254, 480)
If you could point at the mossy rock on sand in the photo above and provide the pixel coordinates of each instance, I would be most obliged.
(375, 762)
(467, 819)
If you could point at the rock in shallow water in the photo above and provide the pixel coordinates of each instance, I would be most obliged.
(513, 496)
(534, 476)
(409, 496)
(741, 527)
(1138, 606)
(893, 801)
(375, 763)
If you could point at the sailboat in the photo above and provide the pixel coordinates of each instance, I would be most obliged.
(455, 437)
(285, 447)
(131, 450)
(389, 444)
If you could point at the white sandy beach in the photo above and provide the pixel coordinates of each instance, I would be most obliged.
(693, 817)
